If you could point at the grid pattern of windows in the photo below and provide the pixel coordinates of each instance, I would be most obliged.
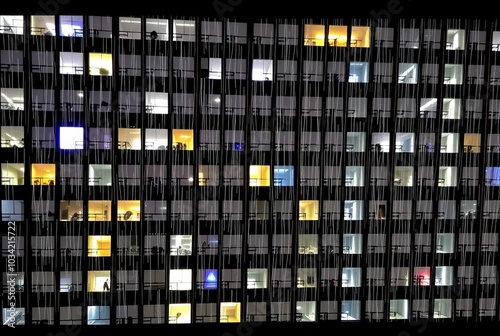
(188, 170)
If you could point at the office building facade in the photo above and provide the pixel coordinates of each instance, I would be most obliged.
(189, 170)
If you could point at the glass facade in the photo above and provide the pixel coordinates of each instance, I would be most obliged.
(163, 170)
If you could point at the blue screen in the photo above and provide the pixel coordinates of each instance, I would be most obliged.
(210, 279)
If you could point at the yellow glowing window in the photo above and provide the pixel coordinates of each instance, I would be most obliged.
(182, 139)
(99, 246)
(308, 210)
(179, 313)
(99, 281)
(360, 37)
(99, 210)
(260, 176)
(100, 64)
(129, 210)
(314, 35)
(230, 312)
(43, 174)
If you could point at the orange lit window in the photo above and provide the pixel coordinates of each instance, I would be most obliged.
(99, 210)
(129, 210)
(43, 174)
(472, 143)
(182, 139)
(99, 246)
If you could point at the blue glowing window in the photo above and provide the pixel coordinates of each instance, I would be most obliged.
(210, 279)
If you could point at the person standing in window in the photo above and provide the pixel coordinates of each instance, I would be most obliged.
(105, 286)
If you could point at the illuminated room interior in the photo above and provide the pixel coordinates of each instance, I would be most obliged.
(179, 313)
(230, 312)
(182, 139)
(99, 246)
(12, 173)
(71, 210)
(96, 280)
(308, 210)
(99, 210)
(100, 64)
(129, 138)
(43, 174)
(260, 176)
(129, 210)
(314, 35)
(472, 143)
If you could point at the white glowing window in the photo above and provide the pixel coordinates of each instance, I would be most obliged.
(71, 138)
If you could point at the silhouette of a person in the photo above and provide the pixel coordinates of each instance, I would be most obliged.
(105, 286)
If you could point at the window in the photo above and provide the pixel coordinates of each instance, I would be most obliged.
(129, 210)
(12, 99)
(472, 143)
(99, 281)
(358, 72)
(130, 28)
(283, 176)
(422, 276)
(455, 39)
(180, 279)
(451, 108)
(99, 246)
(99, 211)
(182, 139)
(71, 210)
(71, 25)
(12, 173)
(98, 315)
(43, 174)
(453, 74)
(350, 310)
(179, 313)
(12, 136)
(100, 175)
(259, 176)
(308, 244)
(156, 139)
(100, 64)
(256, 278)
(398, 309)
(355, 176)
(306, 311)
(12, 24)
(262, 70)
(129, 138)
(180, 245)
(43, 25)
(157, 29)
(184, 30)
(230, 312)
(71, 137)
(12, 210)
(408, 73)
(308, 210)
